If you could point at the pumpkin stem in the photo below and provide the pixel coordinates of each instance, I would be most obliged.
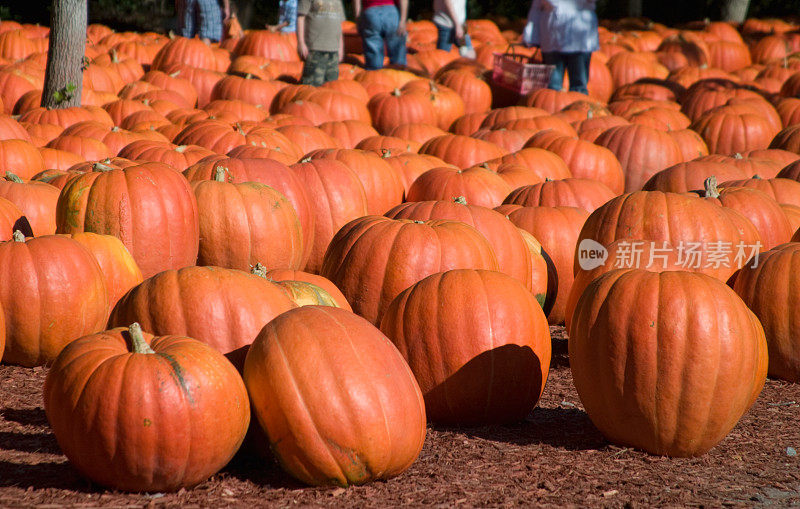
(460, 200)
(137, 339)
(757, 177)
(181, 148)
(710, 184)
(220, 173)
(99, 166)
(175, 74)
(259, 270)
(589, 114)
(396, 92)
(387, 153)
(306, 160)
(11, 177)
(548, 179)
(737, 155)
(19, 236)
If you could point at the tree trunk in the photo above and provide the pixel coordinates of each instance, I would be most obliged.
(63, 78)
(735, 10)
(634, 9)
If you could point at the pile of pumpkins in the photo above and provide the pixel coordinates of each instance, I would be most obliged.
(208, 254)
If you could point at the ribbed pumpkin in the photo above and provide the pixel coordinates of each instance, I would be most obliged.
(247, 223)
(461, 151)
(11, 218)
(314, 279)
(585, 160)
(474, 363)
(390, 109)
(383, 187)
(764, 212)
(265, 171)
(52, 291)
(479, 185)
(224, 308)
(149, 207)
(336, 196)
(372, 259)
(691, 175)
(363, 416)
(657, 374)
(129, 409)
(20, 157)
(642, 151)
(36, 200)
(676, 218)
(571, 192)
(118, 266)
(782, 190)
(625, 254)
(509, 247)
(769, 287)
(557, 229)
(727, 130)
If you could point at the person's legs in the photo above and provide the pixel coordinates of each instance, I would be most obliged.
(331, 66)
(209, 20)
(578, 71)
(314, 69)
(446, 37)
(557, 59)
(370, 29)
(186, 18)
(395, 44)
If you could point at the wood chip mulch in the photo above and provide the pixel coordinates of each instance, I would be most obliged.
(556, 458)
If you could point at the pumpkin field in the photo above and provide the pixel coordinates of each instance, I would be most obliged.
(407, 286)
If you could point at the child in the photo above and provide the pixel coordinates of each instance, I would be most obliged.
(202, 18)
(319, 39)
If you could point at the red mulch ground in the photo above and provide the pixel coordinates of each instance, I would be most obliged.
(556, 457)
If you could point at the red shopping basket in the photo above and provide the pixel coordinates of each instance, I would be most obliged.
(518, 74)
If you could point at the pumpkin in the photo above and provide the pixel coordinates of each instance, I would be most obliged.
(326, 285)
(643, 151)
(21, 158)
(52, 291)
(584, 159)
(768, 288)
(129, 409)
(247, 223)
(479, 185)
(571, 192)
(372, 259)
(224, 308)
(336, 196)
(364, 416)
(348, 133)
(764, 212)
(150, 207)
(383, 187)
(36, 200)
(118, 266)
(11, 219)
(657, 374)
(671, 217)
(485, 369)
(782, 190)
(461, 151)
(727, 130)
(557, 229)
(513, 257)
(390, 109)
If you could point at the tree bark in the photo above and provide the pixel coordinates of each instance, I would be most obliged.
(634, 9)
(63, 78)
(734, 10)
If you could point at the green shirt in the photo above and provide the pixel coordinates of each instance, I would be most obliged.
(323, 23)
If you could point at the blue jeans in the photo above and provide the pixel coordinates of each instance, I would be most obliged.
(446, 38)
(378, 26)
(200, 17)
(577, 66)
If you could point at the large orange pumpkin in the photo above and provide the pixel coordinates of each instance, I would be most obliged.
(129, 410)
(482, 358)
(52, 291)
(353, 412)
(149, 207)
(118, 266)
(655, 373)
(372, 259)
(36, 200)
(245, 224)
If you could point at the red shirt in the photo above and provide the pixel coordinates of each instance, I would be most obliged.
(366, 4)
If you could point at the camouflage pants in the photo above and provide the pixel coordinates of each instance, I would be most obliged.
(321, 67)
